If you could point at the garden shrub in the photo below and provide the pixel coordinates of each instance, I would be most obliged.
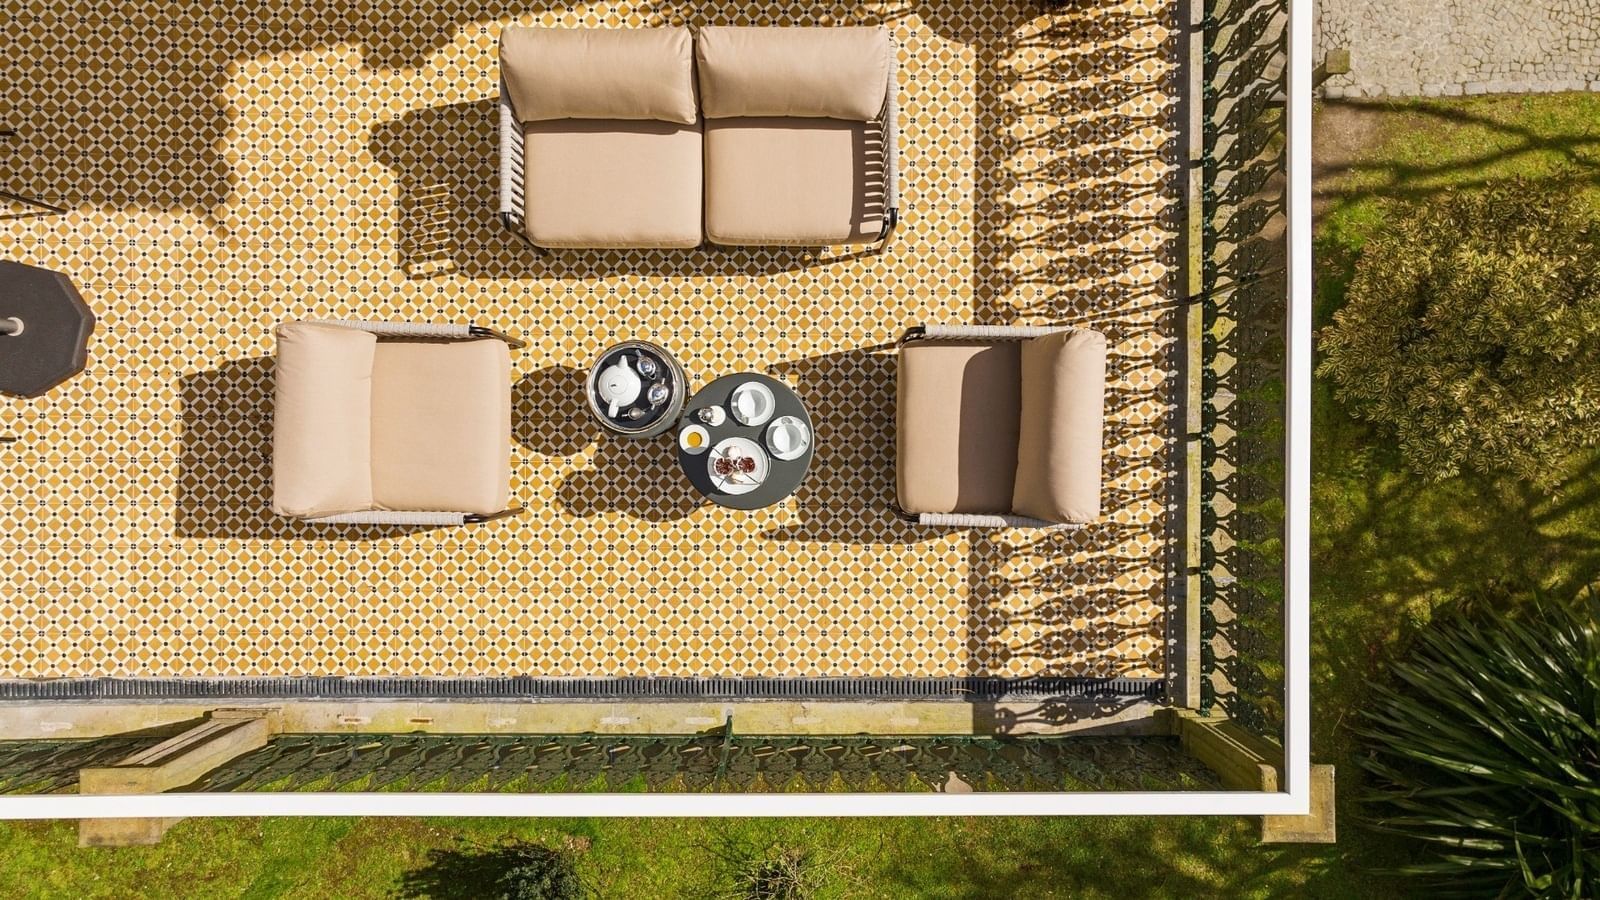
(1471, 331)
(1484, 748)
(783, 873)
(535, 872)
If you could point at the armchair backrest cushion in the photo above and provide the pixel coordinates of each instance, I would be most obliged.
(1062, 420)
(831, 73)
(599, 73)
(322, 420)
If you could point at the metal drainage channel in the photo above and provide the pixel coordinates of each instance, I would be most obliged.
(523, 687)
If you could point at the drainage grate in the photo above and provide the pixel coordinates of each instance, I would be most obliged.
(627, 688)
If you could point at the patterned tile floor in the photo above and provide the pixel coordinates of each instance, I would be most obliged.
(234, 164)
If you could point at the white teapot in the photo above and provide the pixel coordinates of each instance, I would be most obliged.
(618, 385)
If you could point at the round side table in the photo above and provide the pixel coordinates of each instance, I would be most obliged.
(628, 373)
(785, 477)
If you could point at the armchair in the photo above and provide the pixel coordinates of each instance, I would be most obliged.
(414, 429)
(1000, 426)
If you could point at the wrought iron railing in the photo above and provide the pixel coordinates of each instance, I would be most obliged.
(712, 761)
(707, 762)
(51, 766)
(1244, 291)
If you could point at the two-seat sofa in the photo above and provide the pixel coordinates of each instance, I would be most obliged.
(660, 137)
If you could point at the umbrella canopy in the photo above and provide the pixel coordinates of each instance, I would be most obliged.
(44, 329)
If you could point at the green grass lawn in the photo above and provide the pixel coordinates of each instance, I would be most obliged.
(944, 857)
(1387, 545)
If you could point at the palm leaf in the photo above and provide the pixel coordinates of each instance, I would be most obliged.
(1484, 749)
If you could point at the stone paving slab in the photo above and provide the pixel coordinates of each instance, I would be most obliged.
(1452, 48)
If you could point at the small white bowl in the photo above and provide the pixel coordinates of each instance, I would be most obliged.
(705, 439)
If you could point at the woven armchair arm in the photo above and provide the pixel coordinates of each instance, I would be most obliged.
(511, 159)
(988, 332)
(972, 520)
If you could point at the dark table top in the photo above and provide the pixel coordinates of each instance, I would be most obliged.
(54, 343)
(785, 476)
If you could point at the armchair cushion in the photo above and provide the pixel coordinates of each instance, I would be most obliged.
(599, 73)
(321, 429)
(441, 426)
(834, 73)
(958, 421)
(1063, 412)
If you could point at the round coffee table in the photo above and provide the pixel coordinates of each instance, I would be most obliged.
(785, 476)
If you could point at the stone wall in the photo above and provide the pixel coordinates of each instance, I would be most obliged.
(1432, 48)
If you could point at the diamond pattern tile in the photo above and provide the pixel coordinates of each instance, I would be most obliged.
(231, 165)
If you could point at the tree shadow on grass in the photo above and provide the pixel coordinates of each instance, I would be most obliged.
(463, 873)
(1575, 155)
(472, 871)
(1192, 857)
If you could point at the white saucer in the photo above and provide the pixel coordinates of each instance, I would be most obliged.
(738, 483)
(761, 399)
(791, 425)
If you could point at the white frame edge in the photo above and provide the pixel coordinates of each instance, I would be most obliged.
(1297, 450)
(1296, 800)
(1132, 803)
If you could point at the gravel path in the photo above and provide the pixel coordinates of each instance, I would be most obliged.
(1435, 48)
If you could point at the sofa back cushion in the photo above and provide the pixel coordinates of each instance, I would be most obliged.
(1062, 418)
(322, 420)
(599, 73)
(829, 73)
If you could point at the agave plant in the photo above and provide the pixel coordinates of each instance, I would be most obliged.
(1485, 748)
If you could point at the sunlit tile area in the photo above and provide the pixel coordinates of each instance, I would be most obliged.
(230, 166)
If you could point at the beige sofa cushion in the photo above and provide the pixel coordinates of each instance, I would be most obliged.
(441, 426)
(796, 182)
(834, 73)
(321, 427)
(612, 184)
(957, 431)
(1063, 414)
(599, 73)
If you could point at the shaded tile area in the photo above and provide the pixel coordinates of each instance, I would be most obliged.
(231, 168)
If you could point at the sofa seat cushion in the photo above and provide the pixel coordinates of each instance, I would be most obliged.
(321, 428)
(600, 73)
(1063, 415)
(612, 184)
(834, 73)
(958, 419)
(794, 182)
(441, 426)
